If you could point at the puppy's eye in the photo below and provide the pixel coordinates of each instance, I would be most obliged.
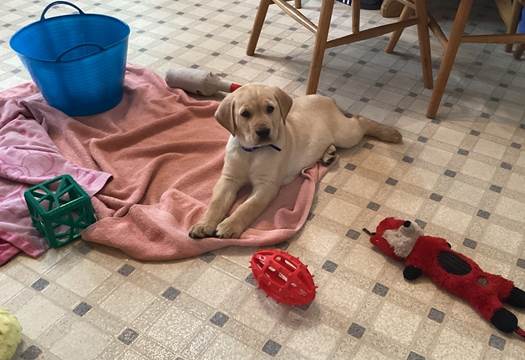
(270, 109)
(246, 114)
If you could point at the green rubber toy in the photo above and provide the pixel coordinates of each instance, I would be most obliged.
(60, 209)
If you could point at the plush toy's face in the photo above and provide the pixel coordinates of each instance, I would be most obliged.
(396, 237)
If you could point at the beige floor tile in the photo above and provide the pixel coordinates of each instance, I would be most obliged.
(402, 201)
(84, 277)
(489, 148)
(421, 177)
(451, 345)
(318, 240)
(9, 287)
(38, 315)
(127, 302)
(168, 271)
(260, 312)
(503, 239)
(516, 182)
(465, 193)
(435, 156)
(361, 186)
(369, 353)
(500, 129)
(314, 341)
(379, 163)
(340, 211)
(410, 124)
(226, 347)
(365, 261)
(451, 219)
(511, 208)
(478, 169)
(200, 342)
(340, 296)
(521, 159)
(83, 342)
(175, 329)
(132, 355)
(397, 323)
(213, 287)
(44, 262)
(449, 136)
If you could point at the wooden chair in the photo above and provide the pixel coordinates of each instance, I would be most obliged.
(321, 31)
(452, 43)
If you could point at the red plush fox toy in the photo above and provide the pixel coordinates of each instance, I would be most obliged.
(404, 240)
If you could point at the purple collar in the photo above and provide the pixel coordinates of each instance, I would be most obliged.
(251, 149)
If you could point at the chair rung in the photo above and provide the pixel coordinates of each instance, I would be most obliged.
(494, 39)
(370, 33)
(296, 15)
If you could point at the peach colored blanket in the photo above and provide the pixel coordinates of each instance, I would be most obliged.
(165, 152)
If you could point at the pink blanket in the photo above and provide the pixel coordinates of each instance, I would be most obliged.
(29, 156)
(165, 152)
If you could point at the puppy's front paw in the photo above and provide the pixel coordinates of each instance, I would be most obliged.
(202, 230)
(228, 229)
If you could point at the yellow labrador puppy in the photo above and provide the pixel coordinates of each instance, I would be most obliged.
(273, 139)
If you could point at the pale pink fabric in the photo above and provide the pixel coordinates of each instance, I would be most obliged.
(165, 152)
(28, 156)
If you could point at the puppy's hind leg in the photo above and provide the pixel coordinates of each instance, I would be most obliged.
(379, 131)
(350, 131)
(329, 155)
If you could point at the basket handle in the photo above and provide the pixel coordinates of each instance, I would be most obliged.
(43, 16)
(59, 57)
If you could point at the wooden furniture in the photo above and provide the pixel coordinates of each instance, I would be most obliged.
(321, 31)
(451, 44)
(509, 11)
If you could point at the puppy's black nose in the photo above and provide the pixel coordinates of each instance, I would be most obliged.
(407, 224)
(263, 133)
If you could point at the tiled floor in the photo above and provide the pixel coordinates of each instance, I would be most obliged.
(462, 177)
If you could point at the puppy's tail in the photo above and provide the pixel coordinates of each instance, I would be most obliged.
(379, 131)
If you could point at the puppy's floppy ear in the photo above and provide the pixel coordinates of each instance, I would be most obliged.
(225, 114)
(285, 102)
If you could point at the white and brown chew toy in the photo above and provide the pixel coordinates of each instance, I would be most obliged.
(198, 82)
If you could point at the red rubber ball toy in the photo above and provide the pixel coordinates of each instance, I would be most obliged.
(283, 277)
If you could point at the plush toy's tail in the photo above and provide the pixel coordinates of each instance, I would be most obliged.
(520, 332)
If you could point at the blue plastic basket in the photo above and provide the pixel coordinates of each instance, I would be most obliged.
(521, 25)
(78, 61)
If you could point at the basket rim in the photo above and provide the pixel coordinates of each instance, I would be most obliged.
(61, 17)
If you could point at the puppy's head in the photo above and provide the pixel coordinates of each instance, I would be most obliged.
(254, 113)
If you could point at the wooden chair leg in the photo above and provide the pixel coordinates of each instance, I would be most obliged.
(519, 51)
(298, 4)
(516, 11)
(257, 26)
(449, 56)
(321, 37)
(356, 15)
(424, 42)
(405, 14)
